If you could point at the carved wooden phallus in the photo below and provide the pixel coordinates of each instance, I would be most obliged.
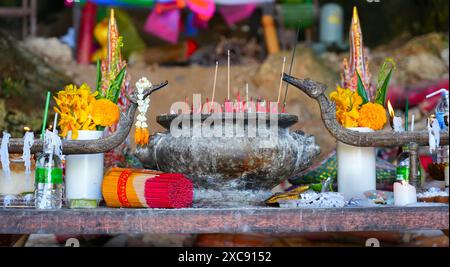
(93, 146)
(317, 90)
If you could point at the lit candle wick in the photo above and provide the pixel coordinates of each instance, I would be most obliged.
(396, 122)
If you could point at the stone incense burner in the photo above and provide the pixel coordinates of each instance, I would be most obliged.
(231, 161)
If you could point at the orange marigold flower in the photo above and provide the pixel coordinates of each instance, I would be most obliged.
(141, 136)
(372, 116)
(105, 112)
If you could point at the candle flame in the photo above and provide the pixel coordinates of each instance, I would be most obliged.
(26, 128)
(391, 110)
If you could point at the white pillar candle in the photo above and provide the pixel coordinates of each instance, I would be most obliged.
(404, 194)
(398, 124)
(84, 173)
(356, 168)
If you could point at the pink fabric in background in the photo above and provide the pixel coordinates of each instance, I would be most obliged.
(235, 13)
(416, 95)
(165, 25)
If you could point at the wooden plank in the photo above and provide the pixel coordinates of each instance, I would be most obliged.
(234, 220)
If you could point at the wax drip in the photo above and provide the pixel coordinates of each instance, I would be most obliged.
(54, 141)
(4, 154)
(433, 134)
(28, 141)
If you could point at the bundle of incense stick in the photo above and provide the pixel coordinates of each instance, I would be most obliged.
(169, 190)
(125, 188)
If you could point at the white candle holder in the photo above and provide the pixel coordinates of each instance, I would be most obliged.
(84, 175)
(404, 194)
(356, 168)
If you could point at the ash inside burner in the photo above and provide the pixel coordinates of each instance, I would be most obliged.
(229, 198)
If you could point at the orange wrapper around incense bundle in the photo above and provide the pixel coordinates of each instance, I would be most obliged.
(125, 188)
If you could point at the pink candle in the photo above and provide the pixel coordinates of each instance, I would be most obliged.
(259, 106)
(207, 106)
(267, 106)
(187, 111)
(274, 108)
(228, 106)
(251, 105)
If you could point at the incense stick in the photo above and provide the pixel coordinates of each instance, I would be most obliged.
(54, 132)
(406, 114)
(54, 122)
(292, 63)
(228, 75)
(281, 80)
(215, 80)
(246, 92)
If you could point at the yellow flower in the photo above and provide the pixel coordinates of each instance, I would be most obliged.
(105, 112)
(347, 106)
(74, 105)
(372, 116)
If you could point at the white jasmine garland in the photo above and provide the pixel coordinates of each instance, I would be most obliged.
(141, 132)
(143, 104)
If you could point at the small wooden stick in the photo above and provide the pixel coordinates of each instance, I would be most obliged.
(215, 80)
(281, 80)
(290, 67)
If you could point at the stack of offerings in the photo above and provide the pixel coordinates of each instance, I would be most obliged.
(127, 188)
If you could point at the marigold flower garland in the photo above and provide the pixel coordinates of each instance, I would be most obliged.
(141, 134)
